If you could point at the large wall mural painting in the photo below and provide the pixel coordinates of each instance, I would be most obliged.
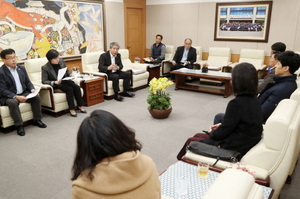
(32, 28)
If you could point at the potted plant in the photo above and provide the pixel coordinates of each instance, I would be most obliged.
(159, 100)
(75, 70)
(137, 60)
(205, 68)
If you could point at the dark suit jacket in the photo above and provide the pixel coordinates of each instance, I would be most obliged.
(105, 61)
(49, 75)
(241, 127)
(8, 87)
(192, 55)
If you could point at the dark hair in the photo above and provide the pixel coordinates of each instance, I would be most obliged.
(8, 51)
(290, 59)
(158, 35)
(278, 46)
(244, 79)
(101, 135)
(276, 54)
(52, 54)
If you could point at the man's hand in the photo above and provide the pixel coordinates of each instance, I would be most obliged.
(151, 59)
(113, 67)
(21, 98)
(57, 82)
(174, 63)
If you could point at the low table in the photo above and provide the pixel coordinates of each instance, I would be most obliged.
(93, 91)
(154, 71)
(182, 73)
(196, 186)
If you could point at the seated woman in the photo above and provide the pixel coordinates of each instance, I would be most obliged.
(49, 76)
(109, 164)
(241, 125)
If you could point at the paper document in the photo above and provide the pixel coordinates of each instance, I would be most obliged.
(61, 73)
(31, 95)
(147, 59)
(68, 78)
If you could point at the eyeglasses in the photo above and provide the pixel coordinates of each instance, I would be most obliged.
(11, 58)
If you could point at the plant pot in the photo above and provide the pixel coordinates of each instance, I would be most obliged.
(205, 70)
(160, 114)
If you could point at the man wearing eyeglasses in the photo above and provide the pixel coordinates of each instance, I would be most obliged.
(14, 87)
(185, 56)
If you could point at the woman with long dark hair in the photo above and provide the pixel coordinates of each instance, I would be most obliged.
(108, 162)
(240, 128)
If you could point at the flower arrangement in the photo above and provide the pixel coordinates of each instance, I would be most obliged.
(75, 68)
(158, 97)
(137, 60)
(205, 68)
(242, 167)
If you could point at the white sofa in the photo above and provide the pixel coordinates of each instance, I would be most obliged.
(7, 123)
(54, 103)
(217, 58)
(256, 57)
(90, 63)
(234, 184)
(272, 157)
(166, 63)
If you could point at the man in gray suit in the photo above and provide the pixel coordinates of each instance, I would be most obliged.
(14, 87)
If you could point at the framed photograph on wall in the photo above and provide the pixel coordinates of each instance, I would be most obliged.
(243, 21)
(32, 28)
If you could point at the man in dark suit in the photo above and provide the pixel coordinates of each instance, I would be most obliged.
(14, 87)
(111, 64)
(185, 56)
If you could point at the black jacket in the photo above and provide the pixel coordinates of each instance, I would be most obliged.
(274, 92)
(8, 87)
(241, 127)
(191, 57)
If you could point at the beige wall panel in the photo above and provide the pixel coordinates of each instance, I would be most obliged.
(114, 15)
(185, 23)
(237, 46)
(159, 21)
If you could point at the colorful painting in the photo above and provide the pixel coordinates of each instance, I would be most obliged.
(32, 28)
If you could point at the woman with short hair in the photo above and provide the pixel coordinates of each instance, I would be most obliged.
(240, 128)
(109, 164)
(72, 90)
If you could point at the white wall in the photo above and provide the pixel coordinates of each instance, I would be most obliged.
(196, 20)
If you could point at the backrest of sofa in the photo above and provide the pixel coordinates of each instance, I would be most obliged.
(33, 68)
(219, 56)
(253, 56)
(127, 64)
(199, 53)
(169, 52)
(90, 61)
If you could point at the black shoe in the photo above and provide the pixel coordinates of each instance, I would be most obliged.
(20, 131)
(118, 98)
(82, 111)
(73, 115)
(128, 94)
(39, 123)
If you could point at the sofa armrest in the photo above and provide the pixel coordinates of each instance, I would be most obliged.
(259, 173)
(166, 66)
(140, 66)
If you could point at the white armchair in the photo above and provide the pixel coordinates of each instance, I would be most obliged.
(139, 73)
(52, 102)
(197, 64)
(243, 183)
(256, 57)
(217, 58)
(166, 63)
(272, 157)
(7, 123)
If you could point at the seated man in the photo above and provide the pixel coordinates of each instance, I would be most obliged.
(158, 50)
(269, 77)
(14, 87)
(111, 64)
(185, 56)
(284, 83)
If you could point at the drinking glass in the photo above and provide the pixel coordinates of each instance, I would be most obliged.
(203, 169)
(181, 186)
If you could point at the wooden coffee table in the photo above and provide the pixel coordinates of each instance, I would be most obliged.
(181, 75)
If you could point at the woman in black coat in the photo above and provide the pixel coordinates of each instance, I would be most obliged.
(241, 126)
(72, 90)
